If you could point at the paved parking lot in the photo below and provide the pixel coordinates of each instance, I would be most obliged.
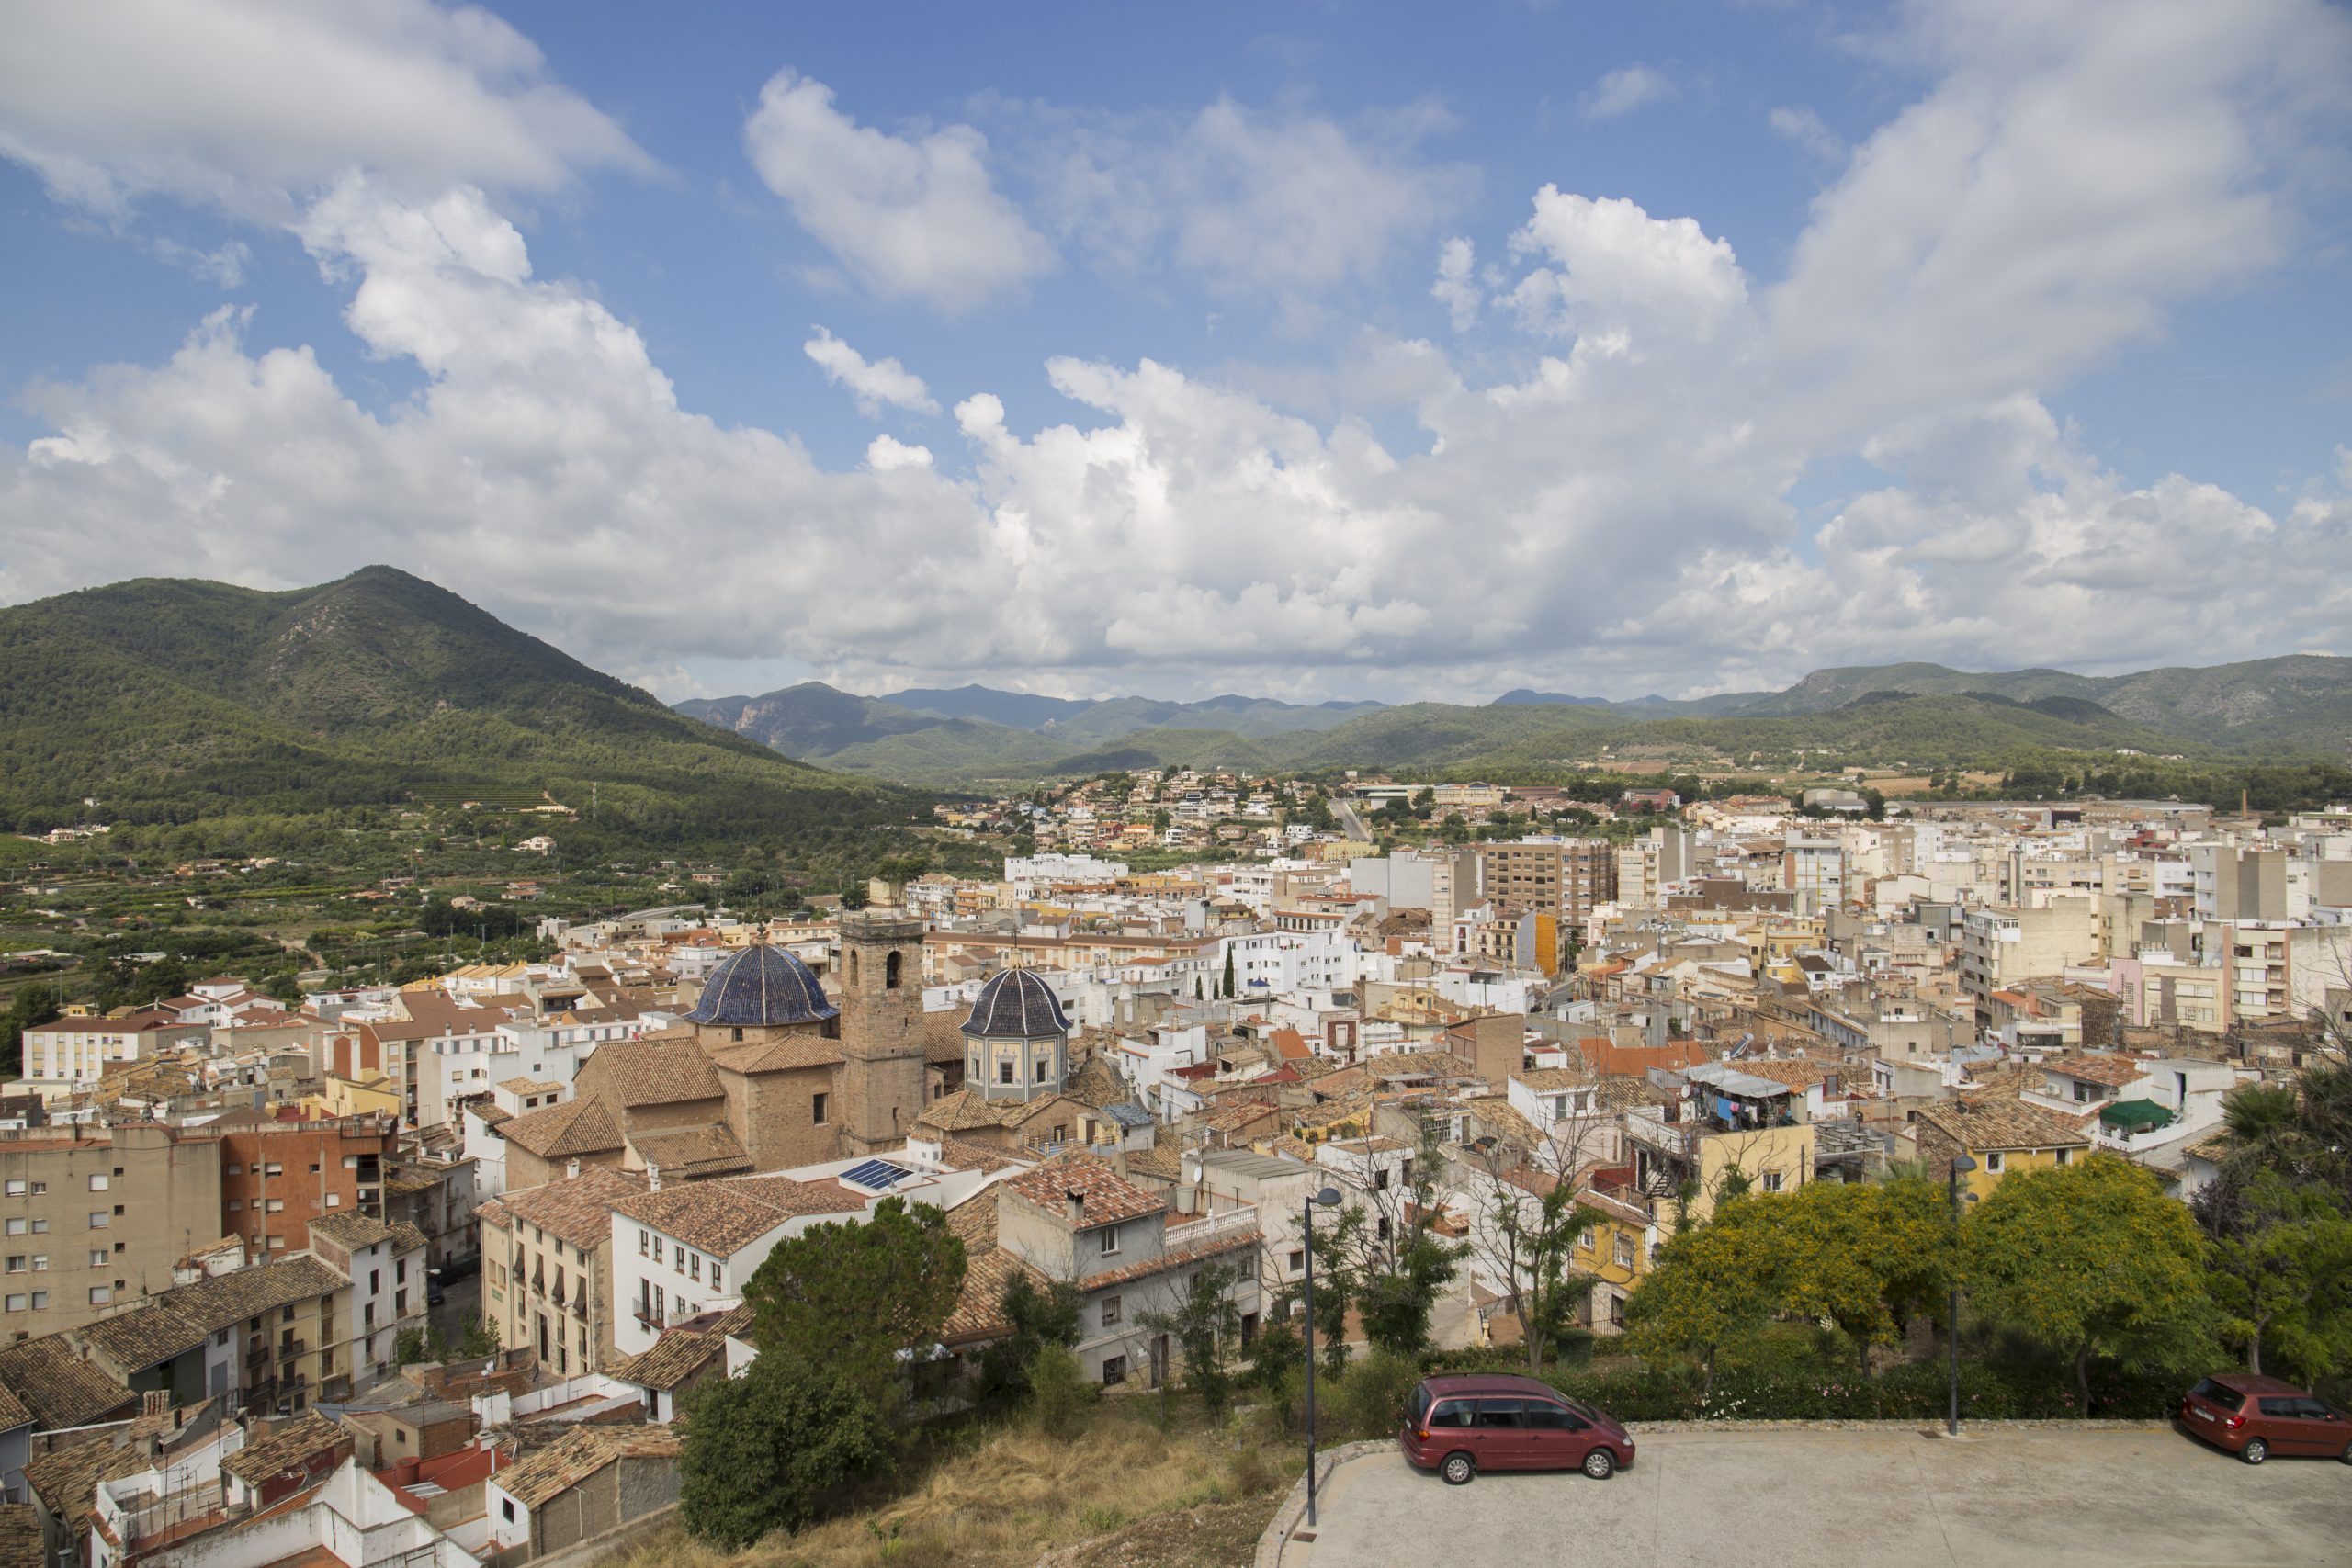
(1823, 1499)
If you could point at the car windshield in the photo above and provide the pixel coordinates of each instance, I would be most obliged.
(1420, 1403)
(2227, 1398)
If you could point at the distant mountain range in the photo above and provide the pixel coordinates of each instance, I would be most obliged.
(1924, 714)
(168, 700)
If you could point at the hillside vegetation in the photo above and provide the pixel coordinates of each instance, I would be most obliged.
(2296, 709)
(171, 701)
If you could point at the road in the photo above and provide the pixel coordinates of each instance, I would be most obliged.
(1345, 811)
(2035, 1498)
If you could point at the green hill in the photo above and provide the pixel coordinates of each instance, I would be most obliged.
(171, 701)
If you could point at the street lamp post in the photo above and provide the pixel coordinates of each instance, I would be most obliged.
(1951, 1321)
(1330, 1198)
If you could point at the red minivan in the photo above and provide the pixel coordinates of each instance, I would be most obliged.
(2254, 1417)
(1459, 1426)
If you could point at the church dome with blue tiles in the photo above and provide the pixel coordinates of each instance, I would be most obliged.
(1016, 1005)
(763, 987)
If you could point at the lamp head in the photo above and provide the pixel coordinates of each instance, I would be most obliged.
(1329, 1198)
(1964, 1163)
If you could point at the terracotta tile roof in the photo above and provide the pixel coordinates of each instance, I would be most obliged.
(579, 1454)
(290, 1448)
(686, 1152)
(791, 1053)
(356, 1232)
(682, 1353)
(967, 1108)
(2212, 1148)
(657, 1071)
(1542, 1078)
(958, 1155)
(13, 1411)
(1236, 1241)
(217, 1302)
(579, 1209)
(2002, 1124)
(67, 1478)
(790, 1197)
(704, 1215)
(20, 1537)
(979, 1303)
(1106, 1197)
(60, 1388)
(1796, 1074)
(559, 1132)
(973, 1220)
(142, 1336)
(2113, 1072)
(1163, 1162)
(1606, 1058)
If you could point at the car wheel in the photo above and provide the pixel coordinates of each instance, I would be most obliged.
(1457, 1469)
(2254, 1451)
(1600, 1464)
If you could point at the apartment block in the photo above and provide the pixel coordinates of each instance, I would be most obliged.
(1561, 877)
(94, 1218)
(278, 1177)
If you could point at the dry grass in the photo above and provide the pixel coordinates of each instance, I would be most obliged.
(1010, 1493)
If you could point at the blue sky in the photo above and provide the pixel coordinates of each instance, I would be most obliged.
(1337, 350)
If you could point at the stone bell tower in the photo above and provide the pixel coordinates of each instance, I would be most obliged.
(883, 1066)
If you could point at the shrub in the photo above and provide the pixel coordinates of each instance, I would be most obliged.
(774, 1450)
(1370, 1401)
(1059, 1391)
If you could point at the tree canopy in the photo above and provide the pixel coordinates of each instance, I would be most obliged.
(853, 1298)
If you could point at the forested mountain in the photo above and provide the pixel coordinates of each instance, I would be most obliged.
(170, 700)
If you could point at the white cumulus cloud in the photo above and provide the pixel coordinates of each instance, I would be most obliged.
(250, 104)
(910, 218)
(871, 385)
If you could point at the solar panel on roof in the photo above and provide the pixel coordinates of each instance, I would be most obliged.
(879, 1174)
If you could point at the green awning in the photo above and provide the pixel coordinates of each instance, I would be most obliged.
(2134, 1115)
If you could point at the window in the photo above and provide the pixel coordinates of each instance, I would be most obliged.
(40, 1300)
(1453, 1413)
(99, 1181)
(234, 1170)
(1111, 1311)
(1380, 1179)
(236, 1205)
(1004, 1072)
(16, 1187)
(657, 1249)
(644, 1242)
(1297, 1259)
(100, 1295)
(1774, 1181)
(817, 1109)
(506, 1509)
(1500, 1414)
(16, 1263)
(1382, 1229)
(41, 1262)
(1110, 1240)
(1114, 1370)
(97, 1257)
(714, 1275)
(1625, 1250)
(277, 1205)
(1994, 1160)
(2065, 1156)
(18, 1304)
(15, 1227)
(315, 1168)
(101, 1220)
(1041, 1064)
(375, 1280)
(694, 1267)
(1584, 1239)
(273, 1168)
(335, 1199)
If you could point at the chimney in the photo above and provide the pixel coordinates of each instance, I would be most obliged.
(571, 1166)
(652, 1176)
(1077, 1201)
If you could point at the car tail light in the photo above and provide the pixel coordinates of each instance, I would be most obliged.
(2234, 1422)
(1420, 1434)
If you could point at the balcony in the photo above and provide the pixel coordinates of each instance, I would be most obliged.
(287, 1348)
(1675, 1140)
(1209, 1227)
